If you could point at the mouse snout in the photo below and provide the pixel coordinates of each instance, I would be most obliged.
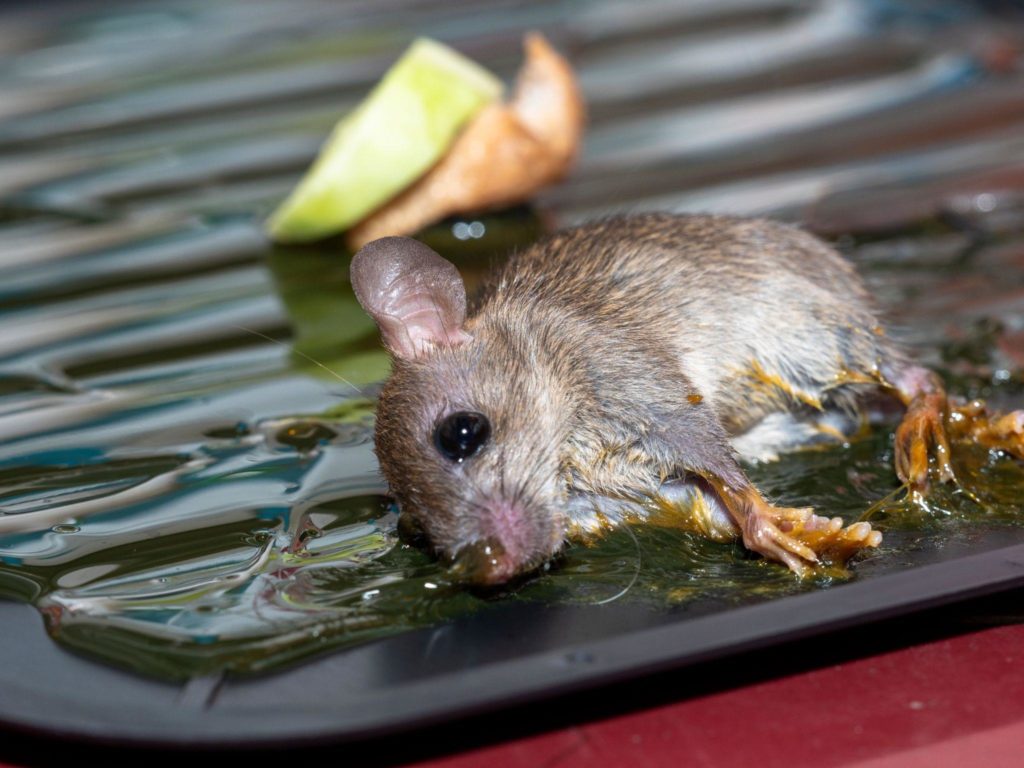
(511, 542)
(485, 563)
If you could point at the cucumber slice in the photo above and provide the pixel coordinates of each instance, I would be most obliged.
(398, 132)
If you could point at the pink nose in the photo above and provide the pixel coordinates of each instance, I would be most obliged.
(485, 563)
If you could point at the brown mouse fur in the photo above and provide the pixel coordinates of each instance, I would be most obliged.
(612, 360)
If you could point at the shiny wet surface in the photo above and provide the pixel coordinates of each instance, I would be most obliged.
(186, 478)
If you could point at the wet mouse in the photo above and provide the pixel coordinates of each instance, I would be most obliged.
(632, 358)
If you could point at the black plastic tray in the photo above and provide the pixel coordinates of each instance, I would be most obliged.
(513, 654)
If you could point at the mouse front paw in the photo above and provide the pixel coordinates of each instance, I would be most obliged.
(794, 536)
(801, 539)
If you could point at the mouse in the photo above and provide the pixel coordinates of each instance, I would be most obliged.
(634, 358)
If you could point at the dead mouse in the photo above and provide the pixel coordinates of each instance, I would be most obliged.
(632, 358)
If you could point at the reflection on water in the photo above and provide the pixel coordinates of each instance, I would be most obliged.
(186, 480)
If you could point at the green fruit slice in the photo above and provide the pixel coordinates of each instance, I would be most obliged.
(398, 132)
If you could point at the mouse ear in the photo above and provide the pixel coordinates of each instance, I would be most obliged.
(417, 299)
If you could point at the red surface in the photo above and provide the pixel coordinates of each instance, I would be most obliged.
(952, 702)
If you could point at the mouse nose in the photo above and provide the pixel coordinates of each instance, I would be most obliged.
(484, 562)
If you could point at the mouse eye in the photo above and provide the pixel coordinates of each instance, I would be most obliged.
(460, 435)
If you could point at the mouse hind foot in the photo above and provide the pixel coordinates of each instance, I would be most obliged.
(934, 422)
(922, 439)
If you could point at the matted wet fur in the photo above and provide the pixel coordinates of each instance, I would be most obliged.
(613, 357)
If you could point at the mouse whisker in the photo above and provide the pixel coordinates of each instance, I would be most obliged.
(301, 354)
(636, 571)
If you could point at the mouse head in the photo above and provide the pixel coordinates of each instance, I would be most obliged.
(469, 428)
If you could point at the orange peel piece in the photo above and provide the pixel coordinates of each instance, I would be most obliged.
(502, 157)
